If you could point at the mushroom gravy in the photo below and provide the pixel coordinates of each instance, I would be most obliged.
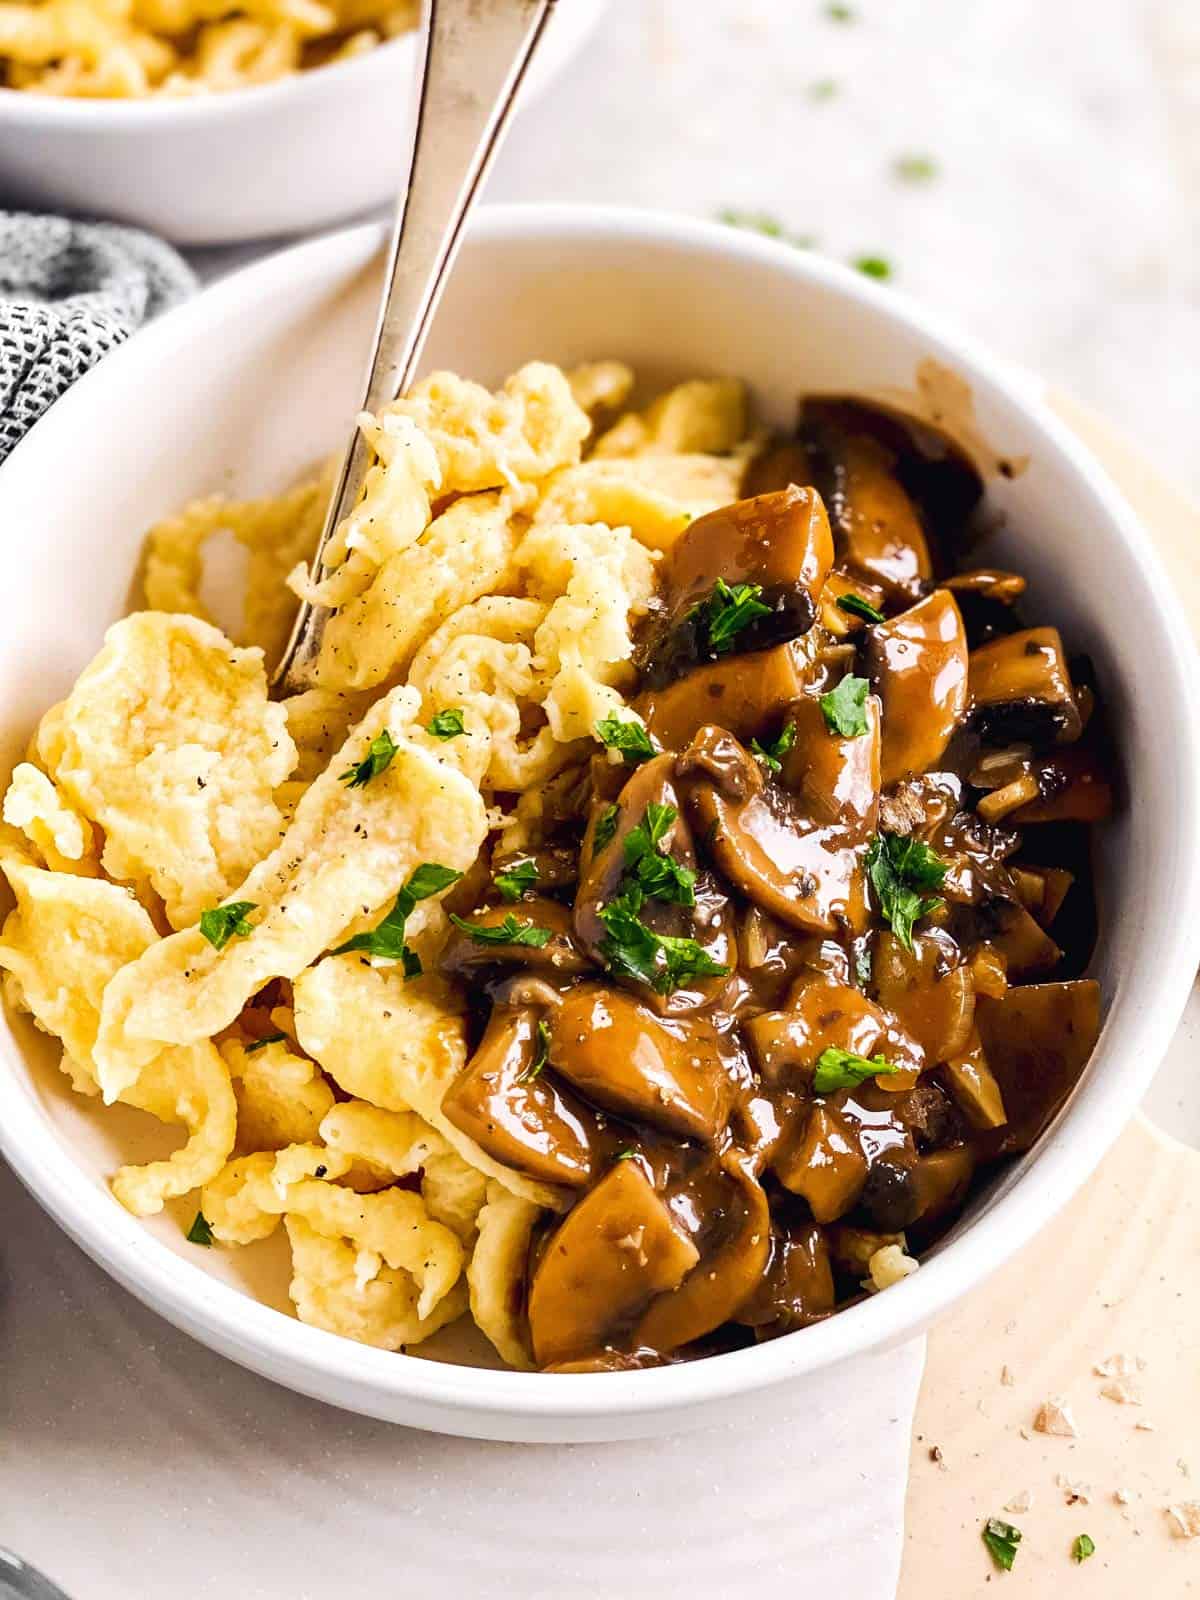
(797, 960)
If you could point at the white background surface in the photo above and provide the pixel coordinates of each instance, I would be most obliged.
(1061, 228)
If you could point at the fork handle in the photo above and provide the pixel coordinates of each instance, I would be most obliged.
(473, 57)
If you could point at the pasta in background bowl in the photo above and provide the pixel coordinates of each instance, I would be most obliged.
(261, 370)
(212, 123)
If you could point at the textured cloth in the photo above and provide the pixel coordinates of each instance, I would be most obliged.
(69, 293)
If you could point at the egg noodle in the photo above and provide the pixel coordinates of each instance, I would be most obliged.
(131, 49)
(189, 859)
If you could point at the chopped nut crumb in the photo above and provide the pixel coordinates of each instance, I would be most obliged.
(1006, 1377)
(1119, 1366)
(1185, 1519)
(1123, 1392)
(1077, 1493)
(1144, 1427)
(1122, 1497)
(1020, 1502)
(1054, 1417)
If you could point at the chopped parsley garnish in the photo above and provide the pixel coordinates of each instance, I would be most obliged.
(630, 738)
(657, 874)
(823, 89)
(509, 931)
(845, 708)
(513, 881)
(1002, 1540)
(899, 869)
(447, 724)
(632, 950)
(605, 830)
(915, 169)
(874, 267)
(261, 1044)
(625, 1155)
(836, 11)
(377, 759)
(1083, 1547)
(763, 222)
(729, 609)
(772, 753)
(222, 923)
(200, 1231)
(842, 1069)
(858, 607)
(541, 1059)
(386, 940)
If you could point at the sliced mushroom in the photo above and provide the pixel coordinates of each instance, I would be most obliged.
(560, 954)
(825, 1165)
(1021, 690)
(729, 1270)
(928, 989)
(823, 1015)
(616, 1249)
(1037, 1041)
(972, 1083)
(554, 866)
(748, 694)
(797, 848)
(1074, 786)
(797, 1287)
(1028, 950)
(1042, 890)
(986, 597)
(779, 542)
(918, 664)
(519, 1115)
(670, 1074)
(875, 523)
(709, 921)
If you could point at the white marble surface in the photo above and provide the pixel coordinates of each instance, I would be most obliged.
(1063, 227)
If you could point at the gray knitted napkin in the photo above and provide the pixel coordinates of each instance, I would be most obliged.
(69, 293)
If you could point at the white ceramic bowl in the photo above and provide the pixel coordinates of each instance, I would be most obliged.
(245, 386)
(295, 155)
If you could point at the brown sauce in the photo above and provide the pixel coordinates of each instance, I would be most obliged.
(811, 969)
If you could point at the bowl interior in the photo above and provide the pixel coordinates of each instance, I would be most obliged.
(243, 391)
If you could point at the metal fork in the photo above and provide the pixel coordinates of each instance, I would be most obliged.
(474, 58)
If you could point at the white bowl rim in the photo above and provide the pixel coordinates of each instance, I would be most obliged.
(65, 111)
(376, 1381)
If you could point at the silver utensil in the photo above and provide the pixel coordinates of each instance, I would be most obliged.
(20, 1581)
(475, 55)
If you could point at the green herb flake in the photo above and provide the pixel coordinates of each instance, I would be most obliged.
(1083, 1547)
(899, 869)
(657, 874)
(605, 829)
(729, 609)
(261, 1044)
(222, 923)
(377, 759)
(630, 738)
(200, 1231)
(858, 607)
(770, 227)
(509, 931)
(915, 169)
(632, 950)
(1002, 1540)
(541, 1059)
(625, 1155)
(845, 708)
(823, 89)
(842, 1069)
(515, 880)
(878, 267)
(386, 940)
(447, 724)
(837, 11)
(772, 753)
